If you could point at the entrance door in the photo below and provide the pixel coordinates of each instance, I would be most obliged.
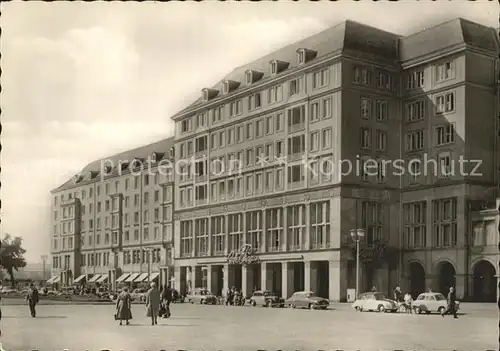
(484, 282)
(417, 279)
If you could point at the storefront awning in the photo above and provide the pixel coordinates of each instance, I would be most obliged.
(132, 277)
(58, 278)
(153, 276)
(95, 278)
(122, 277)
(103, 278)
(51, 280)
(79, 279)
(141, 278)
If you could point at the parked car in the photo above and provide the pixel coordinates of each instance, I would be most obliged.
(139, 294)
(266, 298)
(431, 302)
(307, 299)
(201, 296)
(374, 301)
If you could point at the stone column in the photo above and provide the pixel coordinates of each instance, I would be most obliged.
(284, 244)
(307, 241)
(264, 281)
(337, 277)
(244, 227)
(225, 275)
(287, 280)
(209, 239)
(461, 286)
(209, 279)
(263, 241)
(177, 278)
(193, 239)
(307, 276)
(226, 231)
(246, 281)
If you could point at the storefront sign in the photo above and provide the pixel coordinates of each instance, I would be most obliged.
(242, 256)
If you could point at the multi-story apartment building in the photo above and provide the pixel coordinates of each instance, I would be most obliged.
(270, 145)
(112, 223)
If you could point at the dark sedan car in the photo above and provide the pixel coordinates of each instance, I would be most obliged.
(307, 299)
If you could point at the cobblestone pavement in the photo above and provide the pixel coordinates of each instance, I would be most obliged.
(194, 327)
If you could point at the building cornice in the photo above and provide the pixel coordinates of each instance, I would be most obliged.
(432, 56)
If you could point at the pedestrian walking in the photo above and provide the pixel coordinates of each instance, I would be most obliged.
(153, 303)
(124, 307)
(452, 308)
(166, 298)
(408, 303)
(32, 299)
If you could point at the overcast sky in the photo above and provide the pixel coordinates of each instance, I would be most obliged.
(81, 81)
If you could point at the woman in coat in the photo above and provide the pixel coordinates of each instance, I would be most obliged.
(123, 306)
(153, 303)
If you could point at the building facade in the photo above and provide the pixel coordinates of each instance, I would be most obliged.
(112, 223)
(274, 164)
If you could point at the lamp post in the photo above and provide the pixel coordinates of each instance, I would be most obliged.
(44, 260)
(356, 235)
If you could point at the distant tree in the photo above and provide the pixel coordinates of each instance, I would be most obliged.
(12, 255)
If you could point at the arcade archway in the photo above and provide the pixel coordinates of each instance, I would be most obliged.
(484, 282)
(447, 277)
(416, 279)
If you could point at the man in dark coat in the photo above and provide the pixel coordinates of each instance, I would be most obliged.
(452, 308)
(166, 298)
(32, 299)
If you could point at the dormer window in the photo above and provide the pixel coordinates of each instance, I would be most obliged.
(123, 165)
(91, 175)
(225, 87)
(301, 56)
(172, 152)
(248, 77)
(274, 67)
(77, 178)
(205, 94)
(107, 169)
(305, 55)
(136, 163)
(153, 157)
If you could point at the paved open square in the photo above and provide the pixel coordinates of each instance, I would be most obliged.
(195, 327)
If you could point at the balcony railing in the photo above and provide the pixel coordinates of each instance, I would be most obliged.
(274, 249)
(295, 156)
(297, 247)
(320, 246)
(218, 252)
(296, 127)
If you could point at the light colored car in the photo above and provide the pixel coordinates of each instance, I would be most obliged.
(266, 298)
(307, 299)
(374, 301)
(201, 296)
(139, 294)
(431, 302)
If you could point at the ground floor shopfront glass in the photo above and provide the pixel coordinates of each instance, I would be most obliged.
(328, 279)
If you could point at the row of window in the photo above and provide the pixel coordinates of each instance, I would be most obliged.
(320, 109)
(443, 135)
(444, 103)
(443, 72)
(57, 262)
(229, 232)
(114, 204)
(444, 223)
(254, 101)
(141, 256)
(363, 75)
(255, 183)
(165, 173)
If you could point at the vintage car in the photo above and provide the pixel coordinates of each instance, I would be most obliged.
(431, 302)
(374, 301)
(201, 296)
(307, 299)
(266, 298)
(139, 294)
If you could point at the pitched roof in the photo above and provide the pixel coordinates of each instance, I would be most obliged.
(348, 35)
(352, 36)
(447, 34)
(162, 146)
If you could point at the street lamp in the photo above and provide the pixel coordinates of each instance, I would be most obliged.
(44, 259)
(356, 235)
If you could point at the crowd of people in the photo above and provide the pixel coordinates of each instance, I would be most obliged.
(234, 297)
(406, 300)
